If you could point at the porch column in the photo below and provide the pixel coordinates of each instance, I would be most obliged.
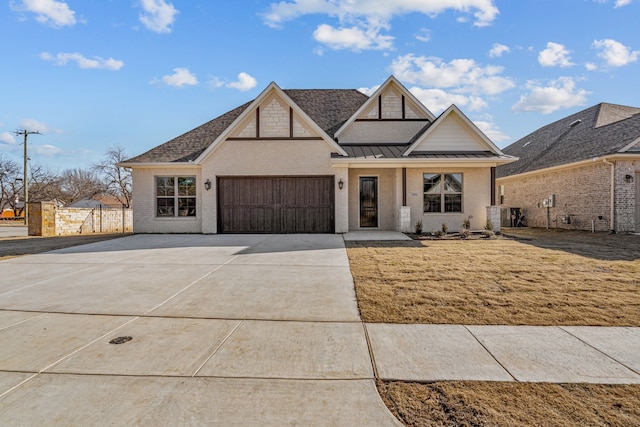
(493, 186)
(342, 199)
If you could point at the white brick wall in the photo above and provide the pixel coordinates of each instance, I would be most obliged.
(144, 194)
(265, 158)
(476, 196)
(274, 119)
(387, 209)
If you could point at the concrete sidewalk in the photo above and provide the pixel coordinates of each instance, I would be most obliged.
(230, 330)
(244, 330)
(568, 354)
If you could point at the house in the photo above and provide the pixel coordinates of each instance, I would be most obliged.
(319, 161)
(97, 201)
(581, 172)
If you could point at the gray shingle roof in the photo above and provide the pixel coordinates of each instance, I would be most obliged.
(597, 131)
(329, 108)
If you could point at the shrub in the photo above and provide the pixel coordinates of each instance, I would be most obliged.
(466, 224)
(488, 226)
(488, 233)
(444, 228)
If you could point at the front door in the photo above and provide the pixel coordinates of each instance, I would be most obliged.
(368, 201)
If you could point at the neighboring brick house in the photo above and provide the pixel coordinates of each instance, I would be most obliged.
(329, 161)
(589, 161)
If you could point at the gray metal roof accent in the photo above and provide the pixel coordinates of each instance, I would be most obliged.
(395, 151)
(328, 108)
(580, 136)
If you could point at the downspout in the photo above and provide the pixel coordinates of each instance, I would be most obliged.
(613, 186)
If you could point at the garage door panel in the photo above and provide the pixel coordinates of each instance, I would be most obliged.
(276, 205)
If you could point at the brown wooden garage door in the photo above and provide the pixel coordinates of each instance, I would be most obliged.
(292, 204)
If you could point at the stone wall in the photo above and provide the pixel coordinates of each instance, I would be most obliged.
(48, 220)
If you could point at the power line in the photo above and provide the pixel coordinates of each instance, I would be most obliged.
(26, 134)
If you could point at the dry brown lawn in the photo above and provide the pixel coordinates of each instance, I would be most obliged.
(540, 278)
(512, 404)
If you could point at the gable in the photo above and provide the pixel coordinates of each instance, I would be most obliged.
(273, 118)
(391, 116)
(392, 103)
(452, 135)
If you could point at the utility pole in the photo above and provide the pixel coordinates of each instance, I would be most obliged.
(25, 181)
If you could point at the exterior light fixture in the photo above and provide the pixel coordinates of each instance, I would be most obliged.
(207, 185)
(628, 178)
(340, 184)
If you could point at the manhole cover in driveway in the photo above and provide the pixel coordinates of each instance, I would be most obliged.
(120, 340)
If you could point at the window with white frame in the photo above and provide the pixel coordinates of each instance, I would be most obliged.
(175, 196)
(442, 192)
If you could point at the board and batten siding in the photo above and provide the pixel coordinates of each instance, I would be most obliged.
(371, 132)
(452, 135)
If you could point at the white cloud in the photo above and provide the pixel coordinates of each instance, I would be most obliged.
(590, 66)
(561, 93)
(86, 63)
(49, 12)
(463, 75)
(180, 77)
(492, 131)
(555, 55)
(158, 15)
(37, 126)
(438, 100)
(424, 35)
(7, 138)
(45, 150)
(618, 3)
(245, 82)
(369, 90)
(484, 11)
(615, 53)
(497, 50)
(354, 38)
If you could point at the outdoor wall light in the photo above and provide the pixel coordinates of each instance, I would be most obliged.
(340, 184)
(207, 185)
(628, 178)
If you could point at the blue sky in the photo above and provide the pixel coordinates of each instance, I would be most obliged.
(136, 73)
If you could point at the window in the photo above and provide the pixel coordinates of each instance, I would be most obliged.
(442, 192)
(175, 196)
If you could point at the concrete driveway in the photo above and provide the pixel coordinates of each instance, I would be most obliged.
(229, 330)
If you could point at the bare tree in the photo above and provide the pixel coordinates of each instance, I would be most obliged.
(117, 179)
(10, 183)
(44, 184)
(78, 184)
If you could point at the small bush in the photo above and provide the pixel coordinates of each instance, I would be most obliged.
(444, 228)
(438, 233)
(488, 233)
(488, 226)
(466, 224)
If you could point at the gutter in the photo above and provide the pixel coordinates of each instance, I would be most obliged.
(613, 187)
